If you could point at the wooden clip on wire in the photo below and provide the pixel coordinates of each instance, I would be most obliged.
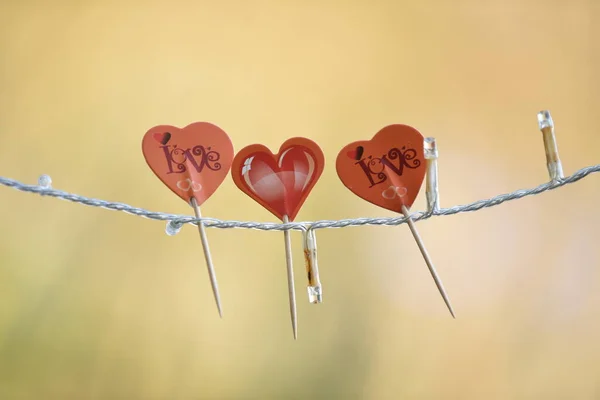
(546, 125)
(315, 291)
(431, 175)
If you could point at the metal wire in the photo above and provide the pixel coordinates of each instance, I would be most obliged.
(180, 220)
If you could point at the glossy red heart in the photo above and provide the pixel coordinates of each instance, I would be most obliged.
(192, 161)
(279, 182)
(388, 170)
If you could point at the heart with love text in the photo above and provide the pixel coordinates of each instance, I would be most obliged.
(191, 161)
(387, 170)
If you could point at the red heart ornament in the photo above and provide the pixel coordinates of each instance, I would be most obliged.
(390, 169)
(192, 161)
(279, 182)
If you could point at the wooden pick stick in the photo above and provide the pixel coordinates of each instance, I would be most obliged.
(290, 277)
(209, 263)
(428, 261)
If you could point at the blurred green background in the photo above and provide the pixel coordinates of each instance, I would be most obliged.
(103, 305)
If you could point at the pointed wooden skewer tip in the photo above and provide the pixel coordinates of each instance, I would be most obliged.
(428, 261)
(290, 278)
(208, 258)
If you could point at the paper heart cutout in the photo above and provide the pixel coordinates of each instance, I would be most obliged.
(192, 161)
(279, 182)
(391, 170)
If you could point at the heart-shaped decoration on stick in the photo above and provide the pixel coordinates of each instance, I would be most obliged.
(281, 183)
(387, 170)
(192, 162)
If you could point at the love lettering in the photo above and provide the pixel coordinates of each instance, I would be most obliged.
(375, 168)
(198, 157)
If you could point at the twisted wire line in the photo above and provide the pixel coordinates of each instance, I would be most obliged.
(180, 220)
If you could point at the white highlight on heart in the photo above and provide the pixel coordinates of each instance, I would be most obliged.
(187, 184)
(247, 165)
(270, 187)
(394, 191)
(311, 170)
(283, 155)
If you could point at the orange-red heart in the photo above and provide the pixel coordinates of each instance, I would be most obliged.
(279, 182)
(192, 161)
(387, 170)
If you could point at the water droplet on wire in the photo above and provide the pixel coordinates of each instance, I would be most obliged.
(173, 228)
(45, 181)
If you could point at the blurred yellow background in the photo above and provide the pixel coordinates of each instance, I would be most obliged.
(97, 304)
